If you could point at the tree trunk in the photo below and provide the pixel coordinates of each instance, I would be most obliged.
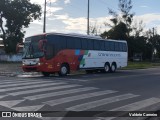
(3, 31)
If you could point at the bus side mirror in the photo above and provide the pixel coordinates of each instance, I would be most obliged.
(42, 44)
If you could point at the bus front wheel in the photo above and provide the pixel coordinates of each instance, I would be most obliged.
(64, 70)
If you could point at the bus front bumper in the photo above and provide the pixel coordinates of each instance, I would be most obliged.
(34, 68)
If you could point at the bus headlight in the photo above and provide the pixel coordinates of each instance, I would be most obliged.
(40, 63)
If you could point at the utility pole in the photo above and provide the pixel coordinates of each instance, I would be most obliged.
(44, 24)
(153, 42)
(88, 20)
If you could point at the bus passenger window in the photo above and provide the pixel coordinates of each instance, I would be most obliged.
(121, 47)
(84, 44)
(62, 43)
(90, 44)
(77, 43)
(124, 47)
(111, 46)
(116, 46)
(102, 45)
(50, 51)
(96, 45)
(70, 43)
(107, 46)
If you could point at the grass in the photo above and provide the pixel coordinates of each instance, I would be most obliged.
(140, 65)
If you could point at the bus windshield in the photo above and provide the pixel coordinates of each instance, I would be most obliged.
(31, 49)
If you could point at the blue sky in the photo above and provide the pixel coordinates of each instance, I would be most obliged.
(70, 15)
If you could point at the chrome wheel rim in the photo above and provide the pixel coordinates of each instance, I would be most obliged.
(64, 70)
(106, 68)
(113, 67)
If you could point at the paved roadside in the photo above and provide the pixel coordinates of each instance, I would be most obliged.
(15, 68)
(10, 69)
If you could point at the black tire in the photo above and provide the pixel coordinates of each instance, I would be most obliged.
(64, 70)
(113, 67)
(106, 68)
(46, 74)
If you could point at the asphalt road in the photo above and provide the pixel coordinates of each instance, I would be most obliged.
(125, 90)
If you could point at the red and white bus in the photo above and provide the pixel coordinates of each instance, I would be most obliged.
(61, 53)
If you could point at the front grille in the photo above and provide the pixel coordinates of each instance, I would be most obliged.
(31, 69)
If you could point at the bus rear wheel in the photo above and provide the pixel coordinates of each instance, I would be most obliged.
(46, 74)
(113, 67)
(64, 70)
(106, 68)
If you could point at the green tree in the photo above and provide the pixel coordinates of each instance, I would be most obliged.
(14, 16)
(154, 43)
(121, 22)
(158, 46)
(139, 45)
(137, 28)
(118, 32)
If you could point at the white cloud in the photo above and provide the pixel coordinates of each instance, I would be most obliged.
(42, 1)
(150, 20)
(37, 22)
(37, 1)
(52, 10)
(62, 17)
(80, 24)
(67, 1)
(144, 6)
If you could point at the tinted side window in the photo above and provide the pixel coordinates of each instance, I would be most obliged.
(50, 52)
(124, 47)
(116, 46)
(52, 46)
(107, 45)
(77, 43)
(90, 44)
(84, 44)
(59, 42)
(102, 45)
(62, 42)
(121, 46)
(111, 46)
(96, 45)
(70, 43)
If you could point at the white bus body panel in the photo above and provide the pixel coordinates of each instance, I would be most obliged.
(97, 59)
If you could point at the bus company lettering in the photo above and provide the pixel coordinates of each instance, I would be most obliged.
(108, 55)
(103, 54)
